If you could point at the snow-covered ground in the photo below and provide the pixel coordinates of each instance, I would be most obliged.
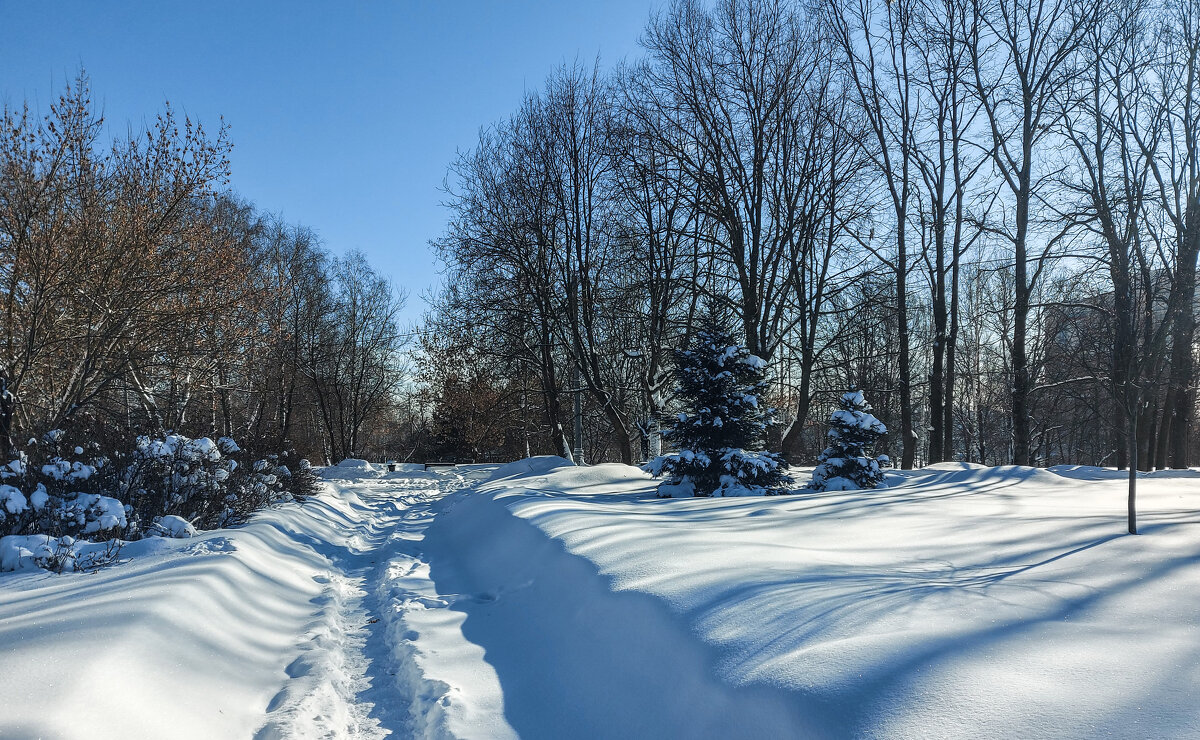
(958, 603)
(294, 626)
(544, 600)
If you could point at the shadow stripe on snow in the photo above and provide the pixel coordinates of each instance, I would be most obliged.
(575, 658)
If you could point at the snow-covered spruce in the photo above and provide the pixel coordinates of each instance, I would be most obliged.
(846, 464)
(719, 441)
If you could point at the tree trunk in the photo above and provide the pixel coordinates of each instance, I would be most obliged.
(8, 404)
(1162, 446)
(1122, 353)
(793, 439)
(937, 387)
(553, 403)
(1022, 382)
(1132, 404)
(909, 434)
(937, 374)
(621, 429)
(1182, 363)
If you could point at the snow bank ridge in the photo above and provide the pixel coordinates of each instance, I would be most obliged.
(576, 658)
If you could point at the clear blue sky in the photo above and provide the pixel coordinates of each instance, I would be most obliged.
(343, 116)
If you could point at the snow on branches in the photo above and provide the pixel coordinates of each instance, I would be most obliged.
(846, 464)
(719, 438)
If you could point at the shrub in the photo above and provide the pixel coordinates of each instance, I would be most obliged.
(65, 494)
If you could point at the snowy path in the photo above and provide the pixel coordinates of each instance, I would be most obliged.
(302, 624)
(357, 673)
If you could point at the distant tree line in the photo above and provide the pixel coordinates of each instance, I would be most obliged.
(140, 296)
(985, 214)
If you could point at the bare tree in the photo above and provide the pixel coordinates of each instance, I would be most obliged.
(945, 156)
(658, 235)
(1173, 152)
(724, 85)
(834, 205)
(1020, 52)
(102, 255)
(352, 358)
(501, 247)
(875, 40)
(571, 146)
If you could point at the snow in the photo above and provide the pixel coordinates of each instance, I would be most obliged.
(542, 599)
(184, 448)
(106, 513)
(352, 469)
(40, 551)
(287, 627)
(12, 501)
(40, 497)
(60, 469)
(859, 420)
(17, 551)
(683, 489)
(172, 526)
(533, 466)
(958, 602)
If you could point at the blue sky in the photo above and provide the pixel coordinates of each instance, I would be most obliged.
(343, 116)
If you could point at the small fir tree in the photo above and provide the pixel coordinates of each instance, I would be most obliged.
(846, 464)
(719, 441)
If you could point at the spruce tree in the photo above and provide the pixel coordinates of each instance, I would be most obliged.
(719, 440)
(846, 464)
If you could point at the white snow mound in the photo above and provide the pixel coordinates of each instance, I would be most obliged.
(172, 526)
(352, 469)
(960, 602)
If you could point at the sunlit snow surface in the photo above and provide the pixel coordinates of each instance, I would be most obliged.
(960, 602)
(554, 601)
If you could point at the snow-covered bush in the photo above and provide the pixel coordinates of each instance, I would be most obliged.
(57, 554)
(179, 475)
(719, 439)
(166, 485)
(207, 483)
(846, 464)
(60, 490)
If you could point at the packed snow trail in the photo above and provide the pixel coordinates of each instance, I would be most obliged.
(378, 617)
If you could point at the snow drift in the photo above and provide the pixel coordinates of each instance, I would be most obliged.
(959, 602)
